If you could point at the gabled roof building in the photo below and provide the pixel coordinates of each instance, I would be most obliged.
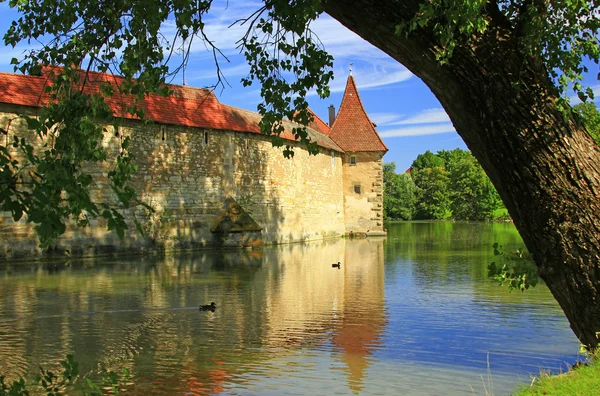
(198, 154)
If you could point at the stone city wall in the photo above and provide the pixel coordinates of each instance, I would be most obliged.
(185, 174)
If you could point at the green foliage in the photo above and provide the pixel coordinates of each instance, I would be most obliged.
(427, 160)
(288, 60)
(66, 382)
(452, 183)
(472, 193)
(433, 197)
(515, 269)
(399, 198)
(561, 35)
(581, 380)
(589, 116)
(451, 21)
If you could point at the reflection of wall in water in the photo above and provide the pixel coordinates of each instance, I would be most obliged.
(307, 291)
(363, 317)
(290, 297)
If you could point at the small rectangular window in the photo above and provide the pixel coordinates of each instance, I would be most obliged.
(357, 188)
(353, 160)
(163, 132)
(205, 137)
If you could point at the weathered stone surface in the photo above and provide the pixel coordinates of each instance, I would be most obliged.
(233, 218)
(361, 207)
(186, 182)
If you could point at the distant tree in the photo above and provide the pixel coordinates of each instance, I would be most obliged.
(427, 160)
(473, 197)
(433, 198)
(407, 195)
(390, 188)
(590, 117)
(468, 193)
(399, 194)
(452, 157)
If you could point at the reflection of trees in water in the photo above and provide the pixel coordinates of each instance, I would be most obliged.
(456, 254)
(142, 313)
(453, 250)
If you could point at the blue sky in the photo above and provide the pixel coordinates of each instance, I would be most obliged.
(408, 117)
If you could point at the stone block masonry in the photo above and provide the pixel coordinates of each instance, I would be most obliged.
(363, 192)
(186, 174)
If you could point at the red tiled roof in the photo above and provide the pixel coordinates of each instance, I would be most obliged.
(186, 106)
(318, 124)
(352, 129)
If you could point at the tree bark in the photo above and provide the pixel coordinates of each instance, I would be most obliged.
(544, 166)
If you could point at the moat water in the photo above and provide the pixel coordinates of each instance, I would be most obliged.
(411, 314)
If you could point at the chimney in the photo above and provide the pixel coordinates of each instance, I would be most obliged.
(331, 115)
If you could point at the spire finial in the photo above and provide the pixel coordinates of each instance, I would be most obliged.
(351, 68)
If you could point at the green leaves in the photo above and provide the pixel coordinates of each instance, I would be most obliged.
(453, 22)
(561, 34)
(399, 198)
(50, 383)
(515, 269)
(587, 114)
(453, 184)
(288, 60)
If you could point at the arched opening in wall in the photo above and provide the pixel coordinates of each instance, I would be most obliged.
(163, 132)
(206, 138)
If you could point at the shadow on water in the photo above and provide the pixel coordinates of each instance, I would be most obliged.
(414, 314)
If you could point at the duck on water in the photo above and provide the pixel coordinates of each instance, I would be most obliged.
(211, 307)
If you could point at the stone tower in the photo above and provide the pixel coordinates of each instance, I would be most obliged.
(362, 163)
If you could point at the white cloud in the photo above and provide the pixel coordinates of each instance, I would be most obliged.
(372, 67)
(428, 116)
(341, 42)
(418, 130)
(368, 77)
(382, 119)
(229, 72)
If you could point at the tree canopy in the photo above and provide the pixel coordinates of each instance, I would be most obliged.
(448, 184)
(399, 195)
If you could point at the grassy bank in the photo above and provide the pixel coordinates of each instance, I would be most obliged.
(583, 380)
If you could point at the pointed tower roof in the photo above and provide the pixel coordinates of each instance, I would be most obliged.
(352, 129)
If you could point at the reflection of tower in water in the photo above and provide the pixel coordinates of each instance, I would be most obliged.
(363, 317)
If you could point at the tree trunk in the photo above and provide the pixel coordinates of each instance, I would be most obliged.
(544, 166)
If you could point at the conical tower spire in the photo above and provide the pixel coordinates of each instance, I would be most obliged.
(352, 129)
